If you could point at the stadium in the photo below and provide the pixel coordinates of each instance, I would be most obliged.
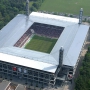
(41, 48)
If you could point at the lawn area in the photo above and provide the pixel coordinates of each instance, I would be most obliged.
(66, 6)
(42, 44)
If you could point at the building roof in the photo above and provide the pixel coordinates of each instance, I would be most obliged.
(72, 36)
(29, 54)
(72, 40)
(53, 19)
(14, 30)
(28, 62)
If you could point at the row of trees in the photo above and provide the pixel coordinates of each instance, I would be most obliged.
(83, 81)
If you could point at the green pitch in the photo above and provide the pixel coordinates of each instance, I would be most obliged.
(66, 6)
(42, 44)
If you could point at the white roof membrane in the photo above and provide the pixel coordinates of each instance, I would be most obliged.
(14, 30)
(28, 63)
(72, 39)
(29, 54)
(75, 48)
(52, 19)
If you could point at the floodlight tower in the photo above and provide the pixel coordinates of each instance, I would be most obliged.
(27, 12)
(61, 56)
(27, 7)
(80, 15)
(61, 51)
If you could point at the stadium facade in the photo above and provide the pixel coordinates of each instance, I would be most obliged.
(39, 68)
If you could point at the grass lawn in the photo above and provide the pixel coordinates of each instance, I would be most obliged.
(42, 44)
(66, 6)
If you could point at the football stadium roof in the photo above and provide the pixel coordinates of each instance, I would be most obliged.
(52, 19)
(14, 30)
(72, 39)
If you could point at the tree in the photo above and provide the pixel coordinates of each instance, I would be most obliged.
(83, 81)
(33, 8)
(36, 5)
(10, 8)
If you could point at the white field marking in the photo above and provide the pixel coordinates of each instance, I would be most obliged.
(17, 86)
(7, 85)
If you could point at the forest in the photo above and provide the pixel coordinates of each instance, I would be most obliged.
(10, 8)
(83, 81)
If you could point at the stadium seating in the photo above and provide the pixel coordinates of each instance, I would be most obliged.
(47, 30)
(40, 29)
(23, 39)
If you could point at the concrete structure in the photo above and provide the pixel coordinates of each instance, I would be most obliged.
(38, 68)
